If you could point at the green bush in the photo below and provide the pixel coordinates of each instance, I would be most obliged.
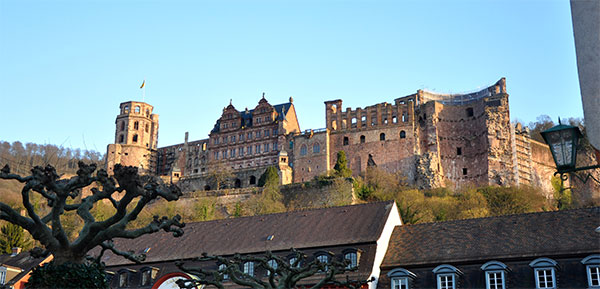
(68, 275)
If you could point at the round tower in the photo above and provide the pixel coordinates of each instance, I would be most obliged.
(136, 138)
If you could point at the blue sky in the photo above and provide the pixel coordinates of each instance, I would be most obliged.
(66, 65)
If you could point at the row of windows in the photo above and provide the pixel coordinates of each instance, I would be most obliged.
(363, 139)
(240, 137)
(496, 272)
(316, 148)
(363, 121)
(136, 126)
(232, 153)
(137, 109)
(248, 267)
(126, 276)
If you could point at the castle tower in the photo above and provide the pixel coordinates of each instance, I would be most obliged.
(136, 138)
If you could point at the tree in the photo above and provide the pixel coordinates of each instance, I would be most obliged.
(341, 166)
(282, 274)
(562, 195)
(12, 236)
(270, 175)
(220, 175)
(62, 197)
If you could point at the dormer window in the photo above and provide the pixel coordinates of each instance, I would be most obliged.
(324, 259)
(495, 275)
(222, 270)
(273, 264)
(447, 276)
(352, 258)
(148, 274)
(401, 278)
(592, 268)
(248, 268)
(544, 273)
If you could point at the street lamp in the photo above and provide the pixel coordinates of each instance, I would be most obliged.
(563, 140)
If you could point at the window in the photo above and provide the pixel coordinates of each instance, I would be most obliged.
(469, 112)
(402, 134)
(446, 276)
(394, 119)
(544, 273)
(135, 138)
(249, 150)
(121, 138)
(592, 269)
(257, 134)
(249, 268)
(266, 148)
(146, 277)
(122, 126)
(267, 132)
(222, 269)
(2, 275)
(137, 109)
(274, 132)
(382, 136)
(126, 108)
(353, 258)
(123, 279)
(241, 137)
(303, 150)
(458, 151)
(147, 128)
(465, 171)
(401, 278)
(293, 261)
(363, 119)
(232, 138)
(136, 125)
(316, 148)
(346, 141)
(362, 139)
(249, 136)
(495, 274)
(324, 259)
(273, 264)
(252, 180)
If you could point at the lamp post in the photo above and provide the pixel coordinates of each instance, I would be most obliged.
(563, 140)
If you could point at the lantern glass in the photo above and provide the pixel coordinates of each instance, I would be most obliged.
(563, 140)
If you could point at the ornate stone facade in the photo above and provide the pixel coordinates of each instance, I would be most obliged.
(432, 139)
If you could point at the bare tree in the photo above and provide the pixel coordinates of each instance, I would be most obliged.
(282, 274)
(61, 196)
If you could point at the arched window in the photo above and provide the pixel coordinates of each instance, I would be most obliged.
(207, 188)
(252, 180)
(544, 272)
(238, 183)
(121, 138)
(126, 108)
(303, 150)
(346, 141)
(362, 139)
(382, 136)
(147, 127)
(137, 109)
(324, 259)
(273, 264)
(352, 255)
(592, 268)
(495, 275)
(135, 138)
(469, 112)
(147, 112)
(222, 270)
(316, 148)
(248, 268)
(401, 278)
(136, 125)
(402, 134)
(446, 276)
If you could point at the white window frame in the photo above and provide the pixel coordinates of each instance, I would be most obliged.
(401, 275)
(249, 268)
(493, 267)
(223, 267)
(399, 282)
(2, 275)
(542, 264)
(273, 264)
(592, 262)
(487, 279)
(353, 257)
(439, 281)
(552, 275)
(446, 270)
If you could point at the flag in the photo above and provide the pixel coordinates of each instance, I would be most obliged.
(143, 84)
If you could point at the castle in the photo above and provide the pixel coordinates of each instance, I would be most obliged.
(432, 139)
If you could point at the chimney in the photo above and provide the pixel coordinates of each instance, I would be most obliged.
(15, 251)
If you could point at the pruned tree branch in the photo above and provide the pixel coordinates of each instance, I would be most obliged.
(49, 231)
(280, 276)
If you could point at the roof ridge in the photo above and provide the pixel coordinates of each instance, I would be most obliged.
(503, 216)
(292, 211)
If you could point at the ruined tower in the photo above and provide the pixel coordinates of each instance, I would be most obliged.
(136, 138)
